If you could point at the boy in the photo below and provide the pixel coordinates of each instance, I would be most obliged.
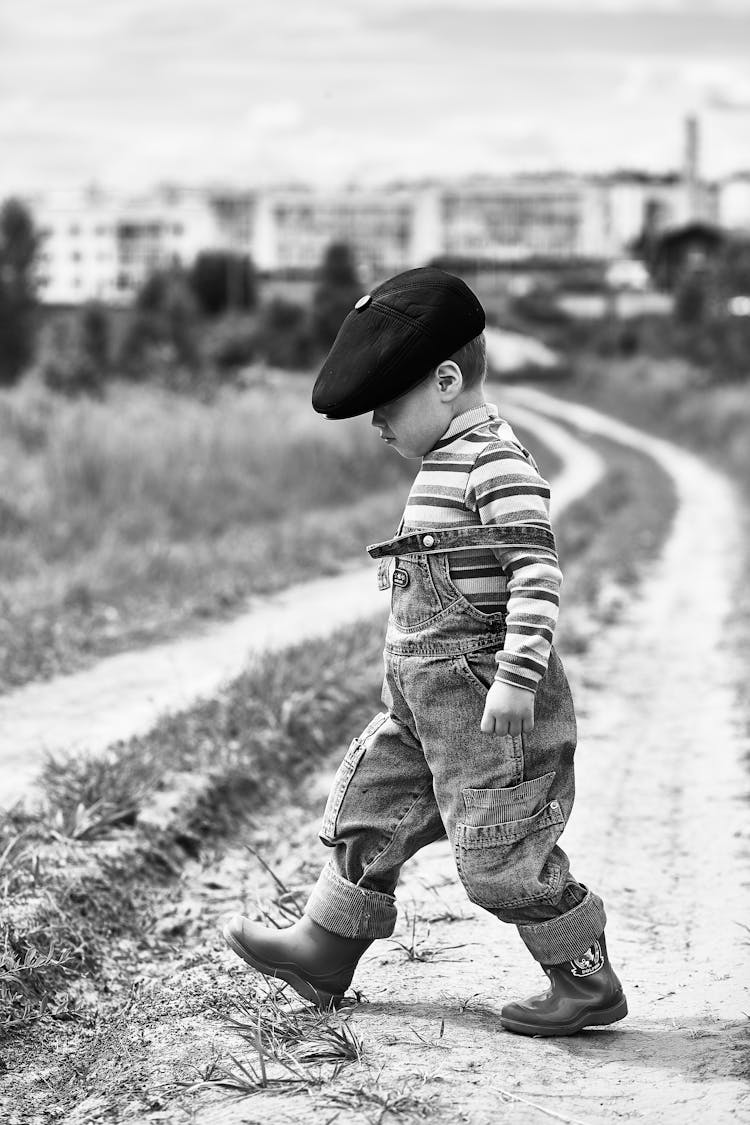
(478, 737)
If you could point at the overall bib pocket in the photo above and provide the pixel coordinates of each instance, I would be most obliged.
(414, 599)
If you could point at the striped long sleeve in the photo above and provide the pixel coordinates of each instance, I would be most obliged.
(480, 473)
(505, 487)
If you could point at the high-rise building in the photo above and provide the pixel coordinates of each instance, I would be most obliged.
(96, 245)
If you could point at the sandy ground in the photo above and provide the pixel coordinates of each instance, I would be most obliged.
(660, 831)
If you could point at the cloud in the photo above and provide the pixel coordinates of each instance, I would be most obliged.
(273, 117)
(696, 84)
(132, 89)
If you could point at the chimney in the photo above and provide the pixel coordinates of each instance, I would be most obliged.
(691, 172)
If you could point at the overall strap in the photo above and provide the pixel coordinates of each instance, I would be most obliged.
(464, 538)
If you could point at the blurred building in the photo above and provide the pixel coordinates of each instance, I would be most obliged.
(394, 228)
(522, 216)
(639, 204)
(289, 228)
(99, 245)
(96, 245)
(734, 202)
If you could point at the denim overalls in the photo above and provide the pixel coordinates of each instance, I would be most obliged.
(423, 769)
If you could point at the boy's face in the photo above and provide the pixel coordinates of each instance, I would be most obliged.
(413, 423)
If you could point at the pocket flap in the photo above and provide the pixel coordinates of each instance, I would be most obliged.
(493, 806)
(472, 838)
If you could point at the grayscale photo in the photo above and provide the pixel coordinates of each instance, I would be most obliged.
(375, 562)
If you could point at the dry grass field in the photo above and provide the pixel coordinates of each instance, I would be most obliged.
(123, 519)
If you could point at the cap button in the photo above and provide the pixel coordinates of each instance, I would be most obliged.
(363, 302)
(428, 540)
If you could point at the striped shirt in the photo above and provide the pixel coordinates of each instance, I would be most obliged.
(478, 474)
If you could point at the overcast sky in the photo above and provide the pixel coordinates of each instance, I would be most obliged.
(129, 92)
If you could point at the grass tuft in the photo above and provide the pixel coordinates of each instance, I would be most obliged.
(292, 1050)
(416, 950)
(400, 1103)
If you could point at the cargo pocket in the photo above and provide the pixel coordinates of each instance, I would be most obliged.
(343, 778)
(505, 846)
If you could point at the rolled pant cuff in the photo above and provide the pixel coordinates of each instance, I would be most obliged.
(348, 910)
(569, 935)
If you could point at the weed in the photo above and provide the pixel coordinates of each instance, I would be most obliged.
(15, 859)
(281, 1040)
(242, 1081)
(448, 913)
(26, 974)
(87, 794)
(401, 1103)
(287, 901)
(306, 1034)
(83, 823)
(416, 951)
(434, 1042)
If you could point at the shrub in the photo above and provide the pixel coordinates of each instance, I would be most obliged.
(162, 338)
(284, 337)
(75, 358)
(232, 343)
(222, 281)
(336, 292)
(18, 247)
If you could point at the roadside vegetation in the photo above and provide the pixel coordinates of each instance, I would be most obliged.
(123, 519)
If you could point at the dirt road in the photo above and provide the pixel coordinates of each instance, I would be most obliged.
(660, 830)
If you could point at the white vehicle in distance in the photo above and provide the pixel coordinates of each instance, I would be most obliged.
(627, 273)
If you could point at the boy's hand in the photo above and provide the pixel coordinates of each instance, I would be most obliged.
(508, 710)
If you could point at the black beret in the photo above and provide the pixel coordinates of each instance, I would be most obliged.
(392, 339)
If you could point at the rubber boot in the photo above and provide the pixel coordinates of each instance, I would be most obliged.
(582, 993)
(318, 964)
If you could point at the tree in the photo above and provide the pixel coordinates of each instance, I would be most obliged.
(222, 280)
(18, 248)
(94, 332)
(284, 334)
(337, 290)
(163, 330)
(78, 361)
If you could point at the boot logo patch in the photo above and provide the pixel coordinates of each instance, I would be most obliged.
(591, 962)
(400, 577)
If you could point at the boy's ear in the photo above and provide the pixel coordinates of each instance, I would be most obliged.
(449, 379)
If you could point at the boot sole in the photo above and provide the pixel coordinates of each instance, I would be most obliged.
(612, 1014)
(318, 996)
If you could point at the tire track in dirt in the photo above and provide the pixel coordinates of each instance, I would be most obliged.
(125, 695)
